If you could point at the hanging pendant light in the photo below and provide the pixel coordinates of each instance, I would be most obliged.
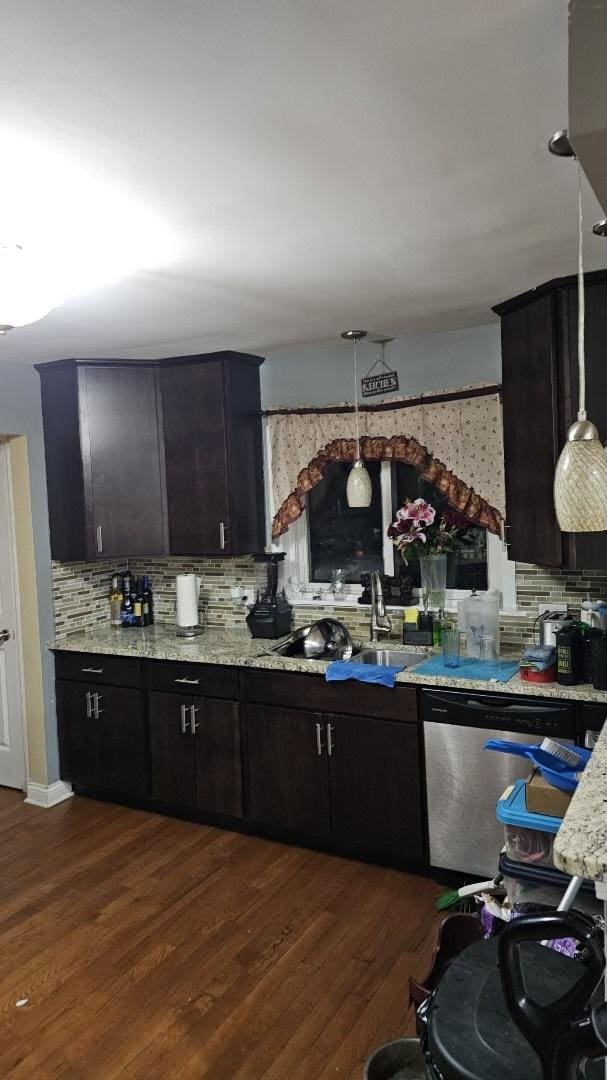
(358, 489)
(580, 480)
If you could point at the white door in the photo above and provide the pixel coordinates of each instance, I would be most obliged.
(12, 750)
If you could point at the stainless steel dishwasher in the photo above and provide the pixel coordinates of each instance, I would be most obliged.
(464, 781)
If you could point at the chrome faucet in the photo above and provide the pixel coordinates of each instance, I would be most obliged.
(379, 619)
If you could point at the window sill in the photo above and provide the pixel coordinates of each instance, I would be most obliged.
(351, 604)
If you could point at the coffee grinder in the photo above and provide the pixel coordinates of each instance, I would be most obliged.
(270, 616)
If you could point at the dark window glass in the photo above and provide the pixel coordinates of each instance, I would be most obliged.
(467, 566)
(342, 537)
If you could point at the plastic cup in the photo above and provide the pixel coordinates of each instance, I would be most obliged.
(451, 640)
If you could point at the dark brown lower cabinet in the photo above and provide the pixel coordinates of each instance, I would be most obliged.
(195, 752)
(347, 778)
(288, 774)
(375, 794)
(102, 737)
(171, 750)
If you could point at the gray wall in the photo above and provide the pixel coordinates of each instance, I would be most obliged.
(318, 374)
(21, 414)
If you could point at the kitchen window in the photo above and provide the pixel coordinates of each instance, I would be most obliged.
(332, 536)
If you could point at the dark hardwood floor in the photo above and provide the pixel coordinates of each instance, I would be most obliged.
(154, 949)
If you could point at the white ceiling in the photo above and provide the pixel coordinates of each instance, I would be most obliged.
(320, 163)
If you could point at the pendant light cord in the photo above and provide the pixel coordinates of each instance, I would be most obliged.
(356, 400)
(581, 301)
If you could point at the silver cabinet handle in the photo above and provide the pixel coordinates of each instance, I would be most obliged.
(222, 535)
(184, 722)
(329, 739)
(319, 746)
(188, 682)
(591, 739)
(92, 670)
(96, 710)
(99, 540)
(194, 723)
(5, 635)
(89, 705)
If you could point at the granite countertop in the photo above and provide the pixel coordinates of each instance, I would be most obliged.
(580, 846)
(236, 648)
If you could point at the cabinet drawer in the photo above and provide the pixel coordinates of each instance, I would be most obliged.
(312, 692)
(193, 678)
(96, 668)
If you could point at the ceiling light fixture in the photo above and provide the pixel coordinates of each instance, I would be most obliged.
(26, 294)
(358, 489)
(580, 480)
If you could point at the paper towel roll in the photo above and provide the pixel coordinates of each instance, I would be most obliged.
(188, 588)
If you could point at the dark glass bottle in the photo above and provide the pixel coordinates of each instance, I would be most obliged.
(148, 602)
(138, 603)
(127, 617)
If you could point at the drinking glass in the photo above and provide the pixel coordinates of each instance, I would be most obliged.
(488, 651)
(451, 645)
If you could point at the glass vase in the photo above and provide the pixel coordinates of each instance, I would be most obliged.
(433, 570)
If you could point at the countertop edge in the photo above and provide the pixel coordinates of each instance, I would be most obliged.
(236, 648)
(580, 846)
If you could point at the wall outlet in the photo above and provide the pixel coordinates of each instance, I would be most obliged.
(240, 594)
(556, 606)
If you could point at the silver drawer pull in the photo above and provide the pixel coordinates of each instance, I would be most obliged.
(222, 535)
(194, 723)
(96, 710)
(92, 670)
(188, 682)
(329, 739)
(99, 540)
(89, 705)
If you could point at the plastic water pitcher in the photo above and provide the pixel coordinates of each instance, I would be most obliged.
(478, 616)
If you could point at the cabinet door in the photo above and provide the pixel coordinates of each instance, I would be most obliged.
(288, 770)
(172, 749)
(218, 760)
(531, 438)
(123, 461)
(102, 737)
(196, 458)
(375, 786)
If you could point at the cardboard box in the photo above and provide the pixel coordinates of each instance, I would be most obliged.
(542, 798)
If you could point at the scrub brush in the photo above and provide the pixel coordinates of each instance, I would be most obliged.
(565, 754)
(463, 899)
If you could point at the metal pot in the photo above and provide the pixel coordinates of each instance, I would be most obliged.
(328, 639)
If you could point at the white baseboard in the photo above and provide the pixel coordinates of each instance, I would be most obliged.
(48, 795)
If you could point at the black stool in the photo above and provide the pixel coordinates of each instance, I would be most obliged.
(511, 1009)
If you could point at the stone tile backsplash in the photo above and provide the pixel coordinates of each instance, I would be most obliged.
(81, 590)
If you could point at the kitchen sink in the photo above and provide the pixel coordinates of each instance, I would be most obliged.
(389, 657)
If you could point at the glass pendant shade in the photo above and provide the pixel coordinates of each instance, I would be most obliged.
(27, 290)
(580, 481)
(359, 489)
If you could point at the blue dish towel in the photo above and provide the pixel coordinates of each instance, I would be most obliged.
(469, 668)
(340, 670)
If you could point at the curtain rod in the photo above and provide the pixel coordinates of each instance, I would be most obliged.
(384, 406)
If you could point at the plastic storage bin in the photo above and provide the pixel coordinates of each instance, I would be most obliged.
(544, 887)
(529, 838)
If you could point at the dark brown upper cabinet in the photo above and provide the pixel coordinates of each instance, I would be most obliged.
(104, 459)
(153, 457)
(540, 401)
(214, 459)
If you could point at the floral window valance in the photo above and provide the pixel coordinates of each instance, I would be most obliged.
(453, 438)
